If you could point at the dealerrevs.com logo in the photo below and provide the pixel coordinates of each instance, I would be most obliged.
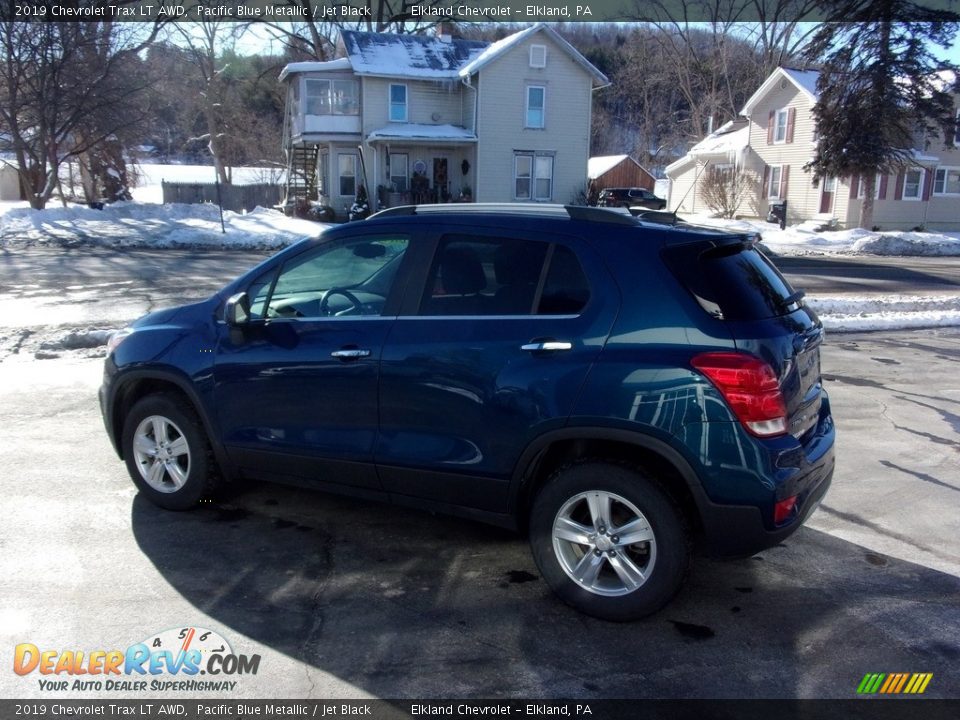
(170, 661)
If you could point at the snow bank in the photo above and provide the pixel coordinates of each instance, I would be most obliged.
(885, 312)
(132, 224)
(806, 239)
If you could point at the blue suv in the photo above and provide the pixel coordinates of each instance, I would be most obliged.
(623, 391)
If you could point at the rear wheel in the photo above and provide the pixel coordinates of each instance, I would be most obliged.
(608, 540)
(167, 452)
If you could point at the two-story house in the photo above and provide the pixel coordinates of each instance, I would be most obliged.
(436, 119)
(775, 136)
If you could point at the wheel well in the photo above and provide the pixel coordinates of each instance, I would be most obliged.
(135, 390)
(562, 452)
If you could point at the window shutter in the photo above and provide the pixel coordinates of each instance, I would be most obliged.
(770, 121)
(791, 122)
(854, 186)
(784, 176)
(927, 183)
(766, 180)
(882, 195)
(898, 190)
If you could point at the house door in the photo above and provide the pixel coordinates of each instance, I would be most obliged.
(826, 194)
(441, 184)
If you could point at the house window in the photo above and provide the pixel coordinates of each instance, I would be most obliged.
(773, 182)
(533, 177)
(398, 171)
(913, 184)
(947, 181)
(347, 172)
(780, 126)
(332, 97)
(536, 102)
(538, 56)
(398, 103)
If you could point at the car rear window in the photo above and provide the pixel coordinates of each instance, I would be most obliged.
(734, 281)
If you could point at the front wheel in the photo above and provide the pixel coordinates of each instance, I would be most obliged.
(609, 541)
(167, 452)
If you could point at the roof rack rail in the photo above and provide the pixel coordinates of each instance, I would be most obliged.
(616, 216)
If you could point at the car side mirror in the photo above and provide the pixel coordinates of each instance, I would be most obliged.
(237, 310)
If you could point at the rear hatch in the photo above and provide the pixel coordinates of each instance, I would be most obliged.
(734, 281)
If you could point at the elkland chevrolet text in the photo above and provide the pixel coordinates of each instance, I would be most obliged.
(623, 391)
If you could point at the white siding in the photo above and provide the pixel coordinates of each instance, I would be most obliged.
(428, 103)
(501, 121)
(803, 199)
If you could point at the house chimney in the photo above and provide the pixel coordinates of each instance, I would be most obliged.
(445, 29)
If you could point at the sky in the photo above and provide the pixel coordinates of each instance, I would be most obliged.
(258, 39)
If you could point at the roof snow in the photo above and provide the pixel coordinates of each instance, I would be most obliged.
(430, 58)
(806, 80)
(729, 139)
(597, 166)
(299, 67)
(413, 131)
(391, 55)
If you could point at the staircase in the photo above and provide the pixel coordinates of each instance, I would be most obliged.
(301, 174)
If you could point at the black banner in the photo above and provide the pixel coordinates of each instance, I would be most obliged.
(515, 11)
(863, 709)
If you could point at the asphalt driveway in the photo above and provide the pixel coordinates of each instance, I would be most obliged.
(343, 598)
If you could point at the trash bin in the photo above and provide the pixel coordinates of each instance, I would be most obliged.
(778, 213)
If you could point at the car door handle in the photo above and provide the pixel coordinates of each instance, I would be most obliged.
(350, 353)
(547, 346)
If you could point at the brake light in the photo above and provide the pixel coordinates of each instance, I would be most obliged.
(750, 387)
(783, 510)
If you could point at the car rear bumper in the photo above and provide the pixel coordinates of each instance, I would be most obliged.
(738, 530)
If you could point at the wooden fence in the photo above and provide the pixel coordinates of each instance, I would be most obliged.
(233, 197)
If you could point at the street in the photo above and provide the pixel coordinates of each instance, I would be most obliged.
(344, 598)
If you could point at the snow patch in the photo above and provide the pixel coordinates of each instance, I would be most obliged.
(808, 238)
(885, 312)
(134, 224)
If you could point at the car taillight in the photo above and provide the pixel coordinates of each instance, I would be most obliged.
(750, 387)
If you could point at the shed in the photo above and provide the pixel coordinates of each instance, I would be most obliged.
(614, 171)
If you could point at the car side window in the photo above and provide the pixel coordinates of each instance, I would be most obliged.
(474, 276)
(335, 280)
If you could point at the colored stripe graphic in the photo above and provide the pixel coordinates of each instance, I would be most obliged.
(894, 683)
(870, 683)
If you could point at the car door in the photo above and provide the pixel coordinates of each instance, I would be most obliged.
(491, 353)
(296, 386)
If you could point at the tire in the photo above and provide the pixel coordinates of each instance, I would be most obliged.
(176, 472)
(576, 526)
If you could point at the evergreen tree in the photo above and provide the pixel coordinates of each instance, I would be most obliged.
(881, 93)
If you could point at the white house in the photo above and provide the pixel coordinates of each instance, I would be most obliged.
(775, 136)
(434, 119)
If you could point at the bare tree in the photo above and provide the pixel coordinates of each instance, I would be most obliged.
(62, 91)
(205, 42)
(724, 189)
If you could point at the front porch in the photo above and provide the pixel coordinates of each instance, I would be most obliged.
(414, 165)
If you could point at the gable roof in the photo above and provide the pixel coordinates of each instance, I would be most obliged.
(597, 166)
(500, 47)
(726, 142)
(804, 80)
(411, 56)
(430, 58)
